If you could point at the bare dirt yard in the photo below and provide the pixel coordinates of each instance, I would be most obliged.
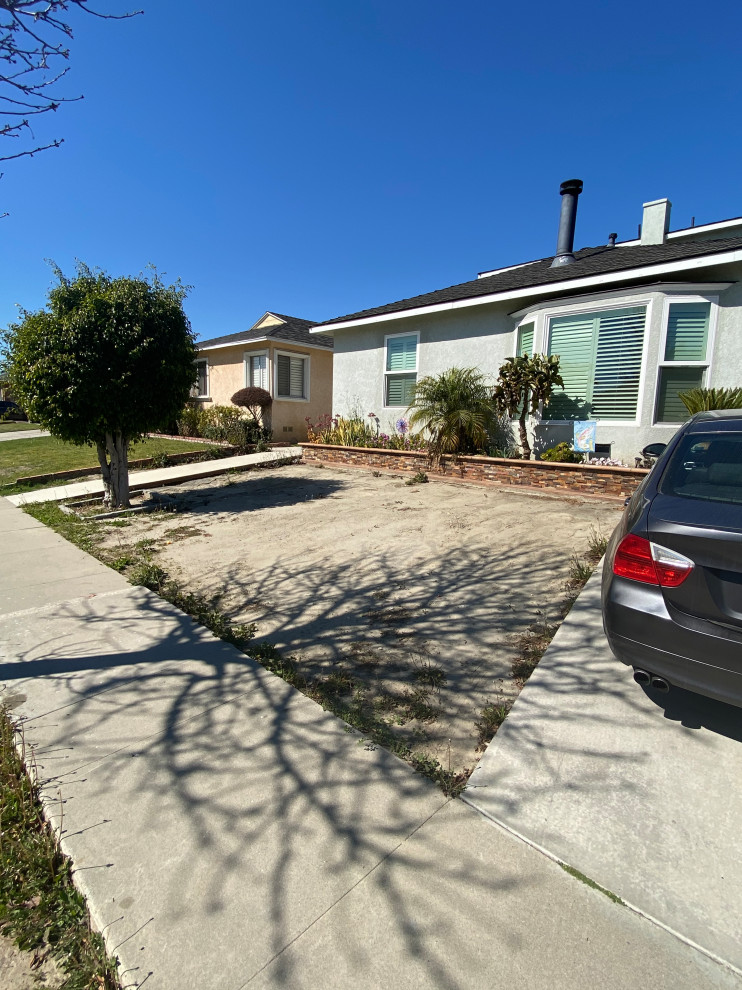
(411, 599)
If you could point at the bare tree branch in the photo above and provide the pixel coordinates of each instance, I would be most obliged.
(32, 56)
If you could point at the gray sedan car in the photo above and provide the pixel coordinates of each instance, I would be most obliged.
(672, 578)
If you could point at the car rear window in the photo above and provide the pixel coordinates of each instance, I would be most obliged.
(706, 466)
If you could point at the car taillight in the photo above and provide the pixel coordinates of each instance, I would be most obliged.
(640, 560)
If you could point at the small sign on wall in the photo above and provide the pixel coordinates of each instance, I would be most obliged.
(584, 436)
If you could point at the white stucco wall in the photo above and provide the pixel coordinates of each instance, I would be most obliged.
(483, 336)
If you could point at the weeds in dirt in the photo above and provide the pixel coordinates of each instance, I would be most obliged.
(430, 674)
(420, 478)
(490, 719)
(532, 644)
(597, 545)
(580, 570)
(39, 905)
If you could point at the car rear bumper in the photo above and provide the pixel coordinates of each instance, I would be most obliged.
(693, 675)
(642, 633)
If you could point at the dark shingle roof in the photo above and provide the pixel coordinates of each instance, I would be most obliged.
(588, 261)
(293, 330)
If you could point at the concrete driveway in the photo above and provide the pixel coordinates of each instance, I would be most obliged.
(643, 799)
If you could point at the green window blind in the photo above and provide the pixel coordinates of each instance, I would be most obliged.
(290, 374)
(401, 353)
(525, 340)
(687, 332)
(399, 389)
(674, 380)
(573, 339)
(600, 361)
(618, 364)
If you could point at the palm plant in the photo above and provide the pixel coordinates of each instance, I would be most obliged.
(456, 411)
(701, 399)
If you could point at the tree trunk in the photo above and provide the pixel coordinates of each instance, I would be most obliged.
(524, 444)
(105, 471)
(114, 464)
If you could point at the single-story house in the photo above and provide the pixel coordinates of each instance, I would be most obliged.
(634, 323)
(279, 354)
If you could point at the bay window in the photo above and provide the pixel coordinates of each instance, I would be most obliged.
(600, 361)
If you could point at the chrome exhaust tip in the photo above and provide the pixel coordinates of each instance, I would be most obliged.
(642, 677)
(660, 684)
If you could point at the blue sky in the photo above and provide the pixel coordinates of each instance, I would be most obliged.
(317, 159)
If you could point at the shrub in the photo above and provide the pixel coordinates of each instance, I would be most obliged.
(255, 400)
(456, 410)
(191, 421)
(562, 452)
(224, 424)
(701, 399)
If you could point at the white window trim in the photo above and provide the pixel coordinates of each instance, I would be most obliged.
(710, 341)
(207, 396)
(542, 317)
(246, 366)
(307, 376)
(409, 371)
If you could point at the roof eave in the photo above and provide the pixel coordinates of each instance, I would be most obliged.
(544, 289)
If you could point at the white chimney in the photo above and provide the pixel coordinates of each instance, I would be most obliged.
(656, 221)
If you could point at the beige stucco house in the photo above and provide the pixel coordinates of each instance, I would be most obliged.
(279, 354)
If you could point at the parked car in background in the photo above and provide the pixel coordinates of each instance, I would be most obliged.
(672, 578)
(11, 410)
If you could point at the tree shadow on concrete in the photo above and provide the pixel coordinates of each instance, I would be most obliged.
(212, 812)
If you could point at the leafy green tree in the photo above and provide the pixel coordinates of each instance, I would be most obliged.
(523, 384)
(456, 409)
(107, 361)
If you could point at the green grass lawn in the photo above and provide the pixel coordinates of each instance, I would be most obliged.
(44, 455)
(14, 426)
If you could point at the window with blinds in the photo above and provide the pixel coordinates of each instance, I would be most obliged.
(291, 377)
(201, 388)
(524, 343)
(600, 360)
(685, 358)
(258, 374)
(401, 369)
(687, 331)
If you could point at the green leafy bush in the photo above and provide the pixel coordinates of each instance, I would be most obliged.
(223, 424)
(562, 452)
(702, 399)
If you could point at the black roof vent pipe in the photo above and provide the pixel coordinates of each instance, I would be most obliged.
(569, 191)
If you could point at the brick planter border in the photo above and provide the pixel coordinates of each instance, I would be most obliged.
(578, 479)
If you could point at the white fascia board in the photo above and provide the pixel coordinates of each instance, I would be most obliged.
(681, 288)
(262, 340)
(572, 285)
(233, 343)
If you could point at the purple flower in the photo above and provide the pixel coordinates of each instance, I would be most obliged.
(402, 426)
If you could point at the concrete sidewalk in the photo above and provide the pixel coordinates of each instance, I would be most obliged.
(24, 434)
(141, 480)
(229, 833)
(643, 799)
